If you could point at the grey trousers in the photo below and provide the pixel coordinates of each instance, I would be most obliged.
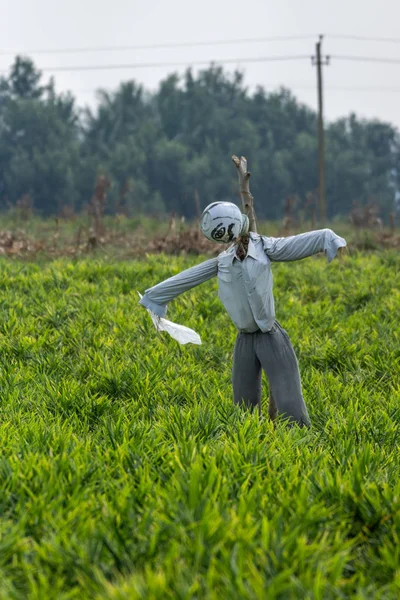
(274, 353)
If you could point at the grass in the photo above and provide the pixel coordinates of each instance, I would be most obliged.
(126, 472)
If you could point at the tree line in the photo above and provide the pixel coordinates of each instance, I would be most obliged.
(169, 151)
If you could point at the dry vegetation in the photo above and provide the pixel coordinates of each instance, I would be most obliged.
(126, 238)
(23, 235)
(54, 239)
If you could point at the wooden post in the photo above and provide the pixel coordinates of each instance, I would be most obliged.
(248, 209)
(319, 62)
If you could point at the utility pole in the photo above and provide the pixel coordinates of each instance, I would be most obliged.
(318, 61)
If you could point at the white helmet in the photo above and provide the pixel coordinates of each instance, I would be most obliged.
(223, 222)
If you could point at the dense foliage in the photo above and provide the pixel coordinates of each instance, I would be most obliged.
(126, 472)
(170, 150)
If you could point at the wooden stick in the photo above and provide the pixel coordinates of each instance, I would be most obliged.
(245, 194)
(248, 209)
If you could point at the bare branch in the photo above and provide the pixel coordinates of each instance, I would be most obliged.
(244, 187)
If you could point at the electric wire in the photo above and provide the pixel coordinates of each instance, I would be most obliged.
(377, 59)
(188, 64)
(277, 85)
(238, 60)
(362, 38)
(284, 38)
(201, 43)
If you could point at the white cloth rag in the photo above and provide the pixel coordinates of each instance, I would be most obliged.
(180, 333)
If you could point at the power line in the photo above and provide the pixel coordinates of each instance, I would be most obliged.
(363, 38)
(172, 64)
(98, 67)
(377, 59)
(333, 88)
(163, 45)
(279, 84)
(363, 89)
(285, 38)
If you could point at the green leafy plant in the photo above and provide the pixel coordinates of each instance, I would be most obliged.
(126, 471)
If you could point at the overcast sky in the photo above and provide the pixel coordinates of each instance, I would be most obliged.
(371, 89)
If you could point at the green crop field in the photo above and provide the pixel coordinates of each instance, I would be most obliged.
(126, 471)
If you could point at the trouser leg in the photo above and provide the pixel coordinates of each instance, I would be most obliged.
(278, 359)
(246, 375)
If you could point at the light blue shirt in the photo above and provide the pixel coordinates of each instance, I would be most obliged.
(245, 287)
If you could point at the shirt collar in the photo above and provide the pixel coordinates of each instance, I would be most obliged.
(251, 250)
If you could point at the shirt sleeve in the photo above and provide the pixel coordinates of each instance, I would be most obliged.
(157, 297)
(300, 246)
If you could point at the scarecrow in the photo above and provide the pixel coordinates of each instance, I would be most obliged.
(245, 288)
